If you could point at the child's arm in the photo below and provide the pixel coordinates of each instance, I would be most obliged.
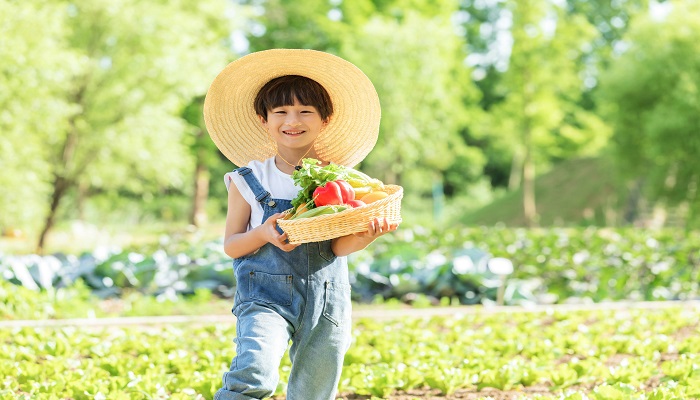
(238, 242)
(349, 244)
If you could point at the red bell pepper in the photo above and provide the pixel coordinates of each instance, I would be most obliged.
(328, 194)
(346, 191)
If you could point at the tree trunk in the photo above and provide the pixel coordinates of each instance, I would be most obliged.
(516, 171)
(81, 198)
(438, 196)
(529, 207)
(634, 198)
(691, 215)
(198, 217)
(62, 181)
(59, 189)
(62, 176)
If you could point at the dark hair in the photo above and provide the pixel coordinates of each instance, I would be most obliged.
(282, 91)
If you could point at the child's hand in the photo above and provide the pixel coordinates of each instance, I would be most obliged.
(378, 227)
(349, 244)
(271, 235)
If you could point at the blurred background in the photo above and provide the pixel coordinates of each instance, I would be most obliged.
(533, 130)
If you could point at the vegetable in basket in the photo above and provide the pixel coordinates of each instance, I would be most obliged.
(374, 196)
(328, 194)
(346, 191)
(312, 175)
(334, 192)
(323, 210)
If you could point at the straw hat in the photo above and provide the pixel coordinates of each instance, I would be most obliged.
(235, 128)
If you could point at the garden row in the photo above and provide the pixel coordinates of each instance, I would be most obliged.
(550, 266)
(623, 354)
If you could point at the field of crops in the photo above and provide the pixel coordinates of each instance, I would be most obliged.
(550, 266)
(634, 353)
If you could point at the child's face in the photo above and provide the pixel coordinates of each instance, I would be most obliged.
(295, 126)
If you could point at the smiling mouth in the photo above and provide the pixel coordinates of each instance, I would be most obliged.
(293, 133)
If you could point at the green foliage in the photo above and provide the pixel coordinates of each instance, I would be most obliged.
(202, 147)
(286, 24)
(311, 175)
(543, 85)
(19, 302)
(538, 92)
(132, 103)
(651, 99)
(419, 140)
(80, 301)
(102, 103)
(610, 19)
(561, 265)
(166, 271)
(427, 99)
(34, 73)
(107, 98)
(542, 354)
(576, 192)
(420, 117)
(415, 265)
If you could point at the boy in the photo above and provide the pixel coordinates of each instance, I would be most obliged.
(270, 110)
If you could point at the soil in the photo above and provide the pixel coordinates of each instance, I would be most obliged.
(464, 394)
(473, 394)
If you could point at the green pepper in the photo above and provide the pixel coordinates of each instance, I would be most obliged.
(323, 210)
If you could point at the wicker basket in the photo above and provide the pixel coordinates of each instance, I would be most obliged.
(354, 220)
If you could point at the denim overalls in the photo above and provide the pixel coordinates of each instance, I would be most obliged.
(302, 295)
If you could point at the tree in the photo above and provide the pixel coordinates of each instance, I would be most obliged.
(286, 24)
(206, 159)
(651, 99)
(487, 27)
(427, 98)
(136, 65)
(33, 67)
(426, 94)
(541, 91)
(611, 20)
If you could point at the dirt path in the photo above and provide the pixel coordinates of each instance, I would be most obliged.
(358, 313)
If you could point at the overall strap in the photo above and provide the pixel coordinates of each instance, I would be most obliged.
(260, 193)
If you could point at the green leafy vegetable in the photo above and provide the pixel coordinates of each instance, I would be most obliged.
(547, 354)
(312, 175)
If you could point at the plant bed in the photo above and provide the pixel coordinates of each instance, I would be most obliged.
(626, 353)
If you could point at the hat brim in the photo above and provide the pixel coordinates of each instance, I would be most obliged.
(234, 127)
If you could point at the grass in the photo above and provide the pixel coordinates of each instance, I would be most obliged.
(575, 192)
(77, 237)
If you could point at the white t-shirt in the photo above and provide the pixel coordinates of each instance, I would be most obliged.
(279, 184)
